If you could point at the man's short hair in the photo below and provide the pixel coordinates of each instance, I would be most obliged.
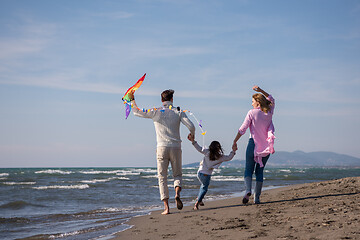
(167, 95)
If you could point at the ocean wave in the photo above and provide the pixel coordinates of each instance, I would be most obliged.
(14, 220)
(150, 176)
(142, 170)
(127, 209)
(227, 178)
(53, 171)
(124, 173)
(79, 186)
(188, 179)
(217, 170)
(104, 180)
(4, 174)
(62, 235)
(15, 205)
(19, 183)
(100, 172)
(190, 175)
(120, 172)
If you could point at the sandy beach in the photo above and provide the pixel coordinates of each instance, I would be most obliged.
(321, 210)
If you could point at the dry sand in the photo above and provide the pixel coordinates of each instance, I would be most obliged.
(322, 210)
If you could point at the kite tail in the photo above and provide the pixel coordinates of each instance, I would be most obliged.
(127, 109)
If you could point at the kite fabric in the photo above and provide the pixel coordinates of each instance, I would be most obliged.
(127, 100)
(133, 88)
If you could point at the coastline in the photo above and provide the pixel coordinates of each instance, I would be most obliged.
(319, 210)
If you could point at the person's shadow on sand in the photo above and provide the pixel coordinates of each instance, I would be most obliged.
(279, 201)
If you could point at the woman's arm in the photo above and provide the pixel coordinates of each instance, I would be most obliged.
(237, 137)
(258, 89)
(268, 96)
(244, 126)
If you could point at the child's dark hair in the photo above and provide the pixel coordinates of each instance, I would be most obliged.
(216, 150)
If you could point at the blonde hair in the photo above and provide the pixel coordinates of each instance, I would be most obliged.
(265, 105)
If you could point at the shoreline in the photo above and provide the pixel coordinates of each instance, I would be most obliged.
(188, 204)
(318, 210)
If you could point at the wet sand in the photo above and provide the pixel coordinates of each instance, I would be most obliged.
(321, 210)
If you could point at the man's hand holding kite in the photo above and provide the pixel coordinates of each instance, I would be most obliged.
(129, 95)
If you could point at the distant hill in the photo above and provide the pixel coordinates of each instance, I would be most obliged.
(300, 159)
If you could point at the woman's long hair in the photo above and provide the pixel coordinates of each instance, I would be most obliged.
(265, 105)
(216, 150)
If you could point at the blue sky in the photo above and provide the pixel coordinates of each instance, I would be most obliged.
(64, 66)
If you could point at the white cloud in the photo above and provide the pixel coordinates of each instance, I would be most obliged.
(140, 50)
(17, 48)
(29, 38)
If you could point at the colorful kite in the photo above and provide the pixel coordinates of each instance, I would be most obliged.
(126, 98)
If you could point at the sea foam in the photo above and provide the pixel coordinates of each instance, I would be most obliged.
(53, 171)
(79, 186)
(19, 183)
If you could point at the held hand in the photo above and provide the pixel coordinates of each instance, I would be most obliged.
(191, 137)
(234, 147)
(131, 95)
(256, 88)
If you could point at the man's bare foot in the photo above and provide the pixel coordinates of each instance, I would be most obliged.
(166, 207)
(165, 212)
(179, 203)
(196, 207)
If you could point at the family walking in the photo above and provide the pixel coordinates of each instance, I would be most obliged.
(167, 121)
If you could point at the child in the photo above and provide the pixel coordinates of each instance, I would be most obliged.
(213, 158)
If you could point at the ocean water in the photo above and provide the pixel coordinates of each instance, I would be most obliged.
(95, 203)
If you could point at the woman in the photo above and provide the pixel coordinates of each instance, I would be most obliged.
(259, 121)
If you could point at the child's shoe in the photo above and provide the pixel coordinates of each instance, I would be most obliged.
(246, 198)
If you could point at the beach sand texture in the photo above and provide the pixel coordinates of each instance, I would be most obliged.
(321, 210)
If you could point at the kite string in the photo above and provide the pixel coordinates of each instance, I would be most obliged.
(191, 114)
(202, 131)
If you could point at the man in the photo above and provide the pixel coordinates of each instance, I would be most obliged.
(167, 127)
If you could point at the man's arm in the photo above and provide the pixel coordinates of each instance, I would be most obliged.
(187, 122)
(137, 111)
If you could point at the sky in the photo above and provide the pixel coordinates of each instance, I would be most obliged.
(65, 65)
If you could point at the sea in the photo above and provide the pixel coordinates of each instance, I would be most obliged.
(96, 203)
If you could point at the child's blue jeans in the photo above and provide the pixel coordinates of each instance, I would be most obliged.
(205, 181)
(251, 164)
